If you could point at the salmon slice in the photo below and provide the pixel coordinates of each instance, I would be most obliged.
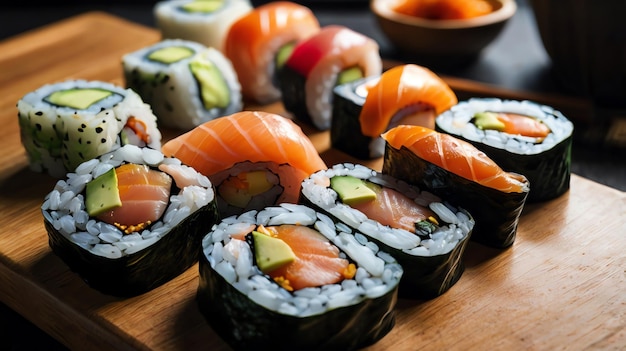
(454, 155)
(394, 209)
(317, 261)
(402, 87)
(523, 125)
(254, 136)
(144, 194)
(253, 41)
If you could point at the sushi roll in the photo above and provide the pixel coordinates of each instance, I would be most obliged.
(288, 278)
(253, 158)
(521, 136)
(202, 21)
(457, 171)
(185, 82)
(64, 124)
(424, 233)
(364, 109)
(335, 55)
(130, 220)
(258, 43)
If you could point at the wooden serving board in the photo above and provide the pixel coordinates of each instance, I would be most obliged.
(562, 285)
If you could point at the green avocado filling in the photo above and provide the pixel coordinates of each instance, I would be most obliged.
(170, 54)
(78, 98)
(213, 88)
(352, 190)
(349, 75)
(101, 194)
(488, 120)
(202, 6)
(271, 252)
(283, 54)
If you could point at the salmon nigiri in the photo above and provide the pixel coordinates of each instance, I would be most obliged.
(405, 94)
(257, 43)
(249, 153)
(456, 156)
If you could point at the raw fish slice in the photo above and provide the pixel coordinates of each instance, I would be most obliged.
(254, 136)
(144, 194)
(254, 40)
(454, 155)
(400, 88)
(317, 260)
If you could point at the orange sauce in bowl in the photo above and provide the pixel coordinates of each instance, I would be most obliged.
(445, 9)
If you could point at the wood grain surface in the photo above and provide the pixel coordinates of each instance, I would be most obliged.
(562, 285)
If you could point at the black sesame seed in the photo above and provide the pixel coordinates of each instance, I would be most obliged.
(99, 129)
(80, 140)
(80, 130)
(103, 140)
(39, 113)
(80, 154)
(38, 126)
(83, 125)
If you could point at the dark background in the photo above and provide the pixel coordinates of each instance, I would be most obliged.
(516, 60)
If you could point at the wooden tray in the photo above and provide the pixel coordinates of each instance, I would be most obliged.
(562, 285)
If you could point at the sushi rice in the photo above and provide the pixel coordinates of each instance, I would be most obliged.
(58, 138)
(64, 206)
(249, 309)
(174, 90)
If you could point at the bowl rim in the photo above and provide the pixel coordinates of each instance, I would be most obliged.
(383, 8)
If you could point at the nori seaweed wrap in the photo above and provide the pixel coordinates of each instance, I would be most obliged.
(122, 258)
(542, 154)
(254, 306)
(458, 172)
(425, 234)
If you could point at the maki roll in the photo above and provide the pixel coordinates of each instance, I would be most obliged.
(202, 21)
(425, 234)
(288, 278)
(457, 171)
(67, 123)
(364, 109)
(335, 55)
(253, 158)
(521, 136)
(130, 220)
(258, 42)
(185, 82)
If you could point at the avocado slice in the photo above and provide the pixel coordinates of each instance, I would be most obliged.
(270, 252)
(79, 98)
(203, 6)
(488, 120)
(213, 87)
(170, 54)
(352, 190)
(283, 54)
(349, 75)
(101, 194)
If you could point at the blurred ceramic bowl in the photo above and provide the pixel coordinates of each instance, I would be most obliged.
(450, 40)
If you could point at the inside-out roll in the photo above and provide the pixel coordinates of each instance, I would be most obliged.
(185, 82)
(66, 123)
(288, 278)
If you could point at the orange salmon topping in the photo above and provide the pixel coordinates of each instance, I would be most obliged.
(317, 260)
(398, 88)
(455, 155)
(523, 125)
(144, 194)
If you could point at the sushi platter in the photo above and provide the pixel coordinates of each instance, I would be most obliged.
(561, 285)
